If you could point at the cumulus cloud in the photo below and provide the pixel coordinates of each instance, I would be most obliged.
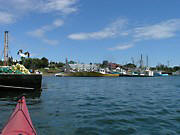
(121, 47)
(113, 30)
(41, 32)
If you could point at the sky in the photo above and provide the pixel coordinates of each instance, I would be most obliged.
(93, 30)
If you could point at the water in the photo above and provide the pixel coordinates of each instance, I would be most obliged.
(102, 106)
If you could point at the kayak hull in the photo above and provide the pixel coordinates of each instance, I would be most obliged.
(19, 122)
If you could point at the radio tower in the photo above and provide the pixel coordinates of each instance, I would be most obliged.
(5, 48)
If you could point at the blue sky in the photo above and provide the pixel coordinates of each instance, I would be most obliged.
(93, 30)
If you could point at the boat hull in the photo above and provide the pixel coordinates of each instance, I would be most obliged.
(19, 122)
(135, 76)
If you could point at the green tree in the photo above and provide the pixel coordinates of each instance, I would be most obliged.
(176, 68)
(130, 65)
(44, 62)
(72, 62)
(104, 64)
(59, 64)
(28, 63)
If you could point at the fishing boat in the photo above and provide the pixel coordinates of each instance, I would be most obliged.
(160, 73)
(19, 122)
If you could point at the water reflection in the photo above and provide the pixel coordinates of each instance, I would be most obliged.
(15, 95)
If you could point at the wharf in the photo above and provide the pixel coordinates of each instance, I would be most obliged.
(20, 81)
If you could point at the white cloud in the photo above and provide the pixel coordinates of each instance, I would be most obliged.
(113, 30)
(121, 47)
(18, 8)
(50, 41)
(41, 32)
(58, 22)
(18, 5)
(6, 18)
(163, 30)
(44, 6)
(11, 10)
(64, 6)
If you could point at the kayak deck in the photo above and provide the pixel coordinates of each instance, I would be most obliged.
(19, 122)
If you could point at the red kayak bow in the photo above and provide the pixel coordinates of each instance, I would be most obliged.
(20, 122)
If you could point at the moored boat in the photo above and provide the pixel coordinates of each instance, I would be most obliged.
(19, 122)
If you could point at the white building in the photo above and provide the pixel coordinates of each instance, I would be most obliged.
(83, 67)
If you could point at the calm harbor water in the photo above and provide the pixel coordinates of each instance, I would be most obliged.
(102, 106)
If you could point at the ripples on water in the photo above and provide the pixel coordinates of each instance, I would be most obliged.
(102, 106)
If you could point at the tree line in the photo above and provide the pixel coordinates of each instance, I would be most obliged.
(34, 63)
(37, 63)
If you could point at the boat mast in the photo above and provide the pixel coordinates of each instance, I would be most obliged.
(147, 61)
(67, 70)
(5, 48)
(141, 62)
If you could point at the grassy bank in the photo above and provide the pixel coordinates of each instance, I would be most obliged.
(89, 74)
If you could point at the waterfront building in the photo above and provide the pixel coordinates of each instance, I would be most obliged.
(83, 67)
(112, 66)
